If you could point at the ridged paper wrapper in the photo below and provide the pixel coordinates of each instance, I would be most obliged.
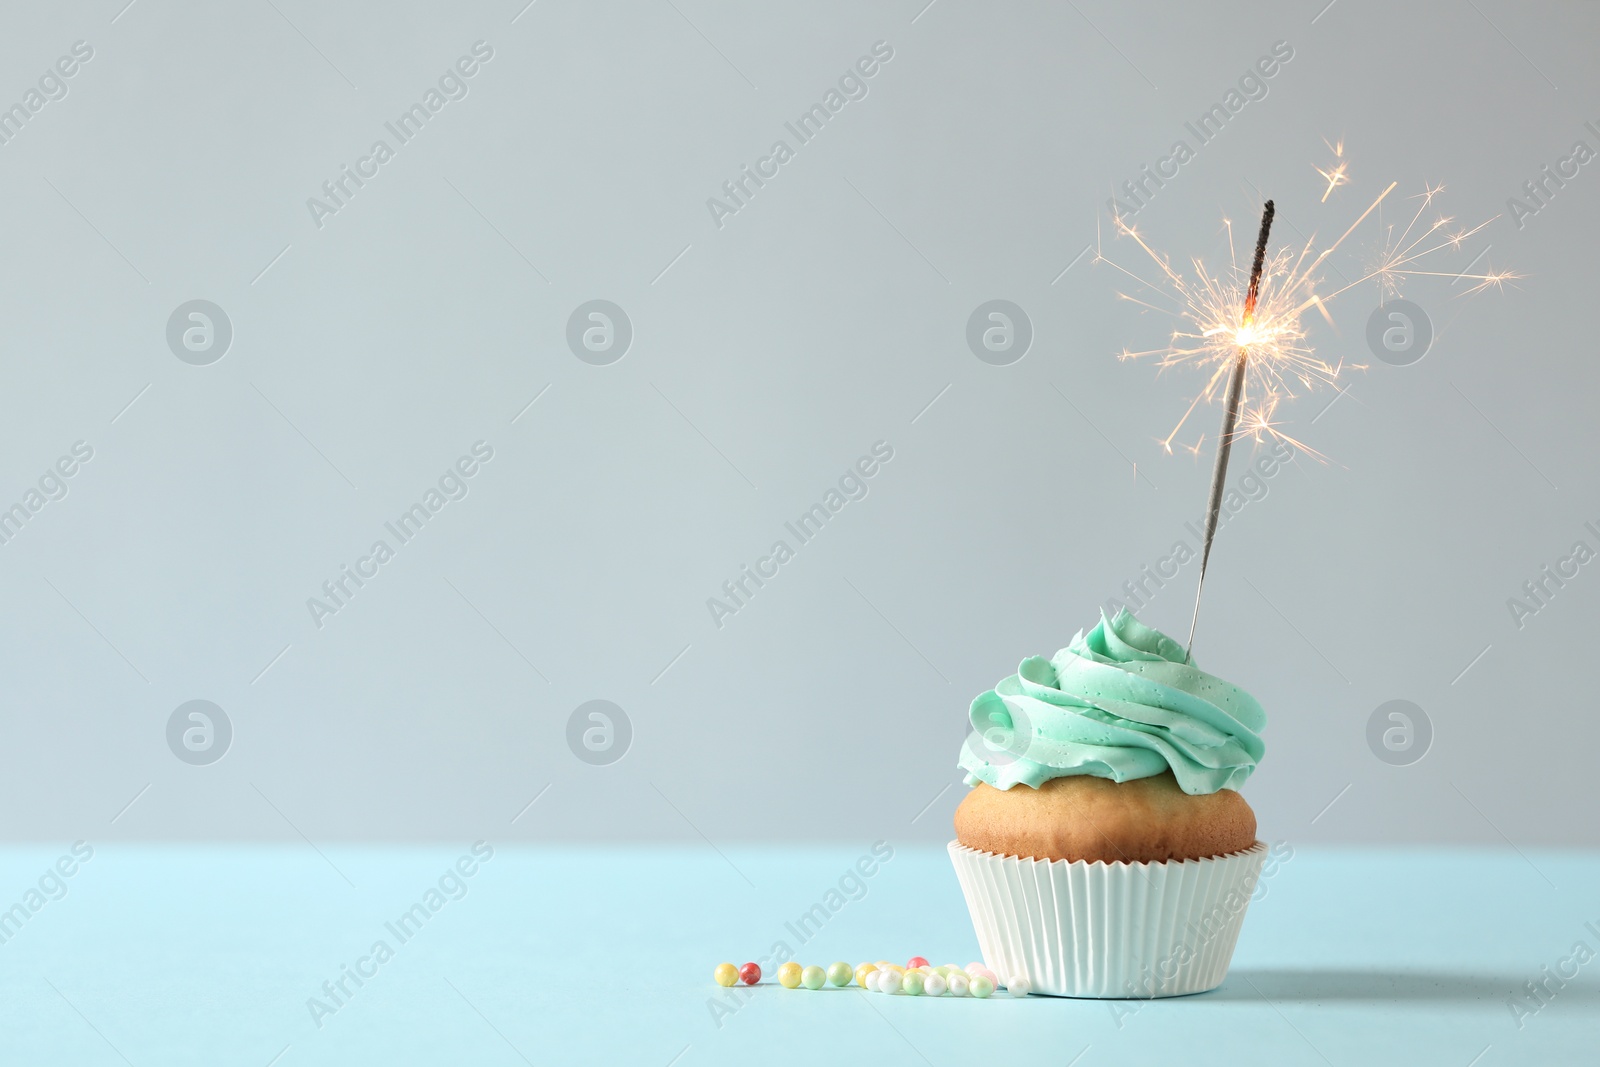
(1108, 930)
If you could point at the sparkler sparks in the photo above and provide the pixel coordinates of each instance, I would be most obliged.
(1213, 327)
(1335, 175)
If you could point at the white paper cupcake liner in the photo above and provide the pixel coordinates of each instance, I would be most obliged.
(1108, 930)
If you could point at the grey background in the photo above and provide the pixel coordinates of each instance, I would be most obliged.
(768, 355)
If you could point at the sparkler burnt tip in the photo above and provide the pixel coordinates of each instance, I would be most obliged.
(1267, 214)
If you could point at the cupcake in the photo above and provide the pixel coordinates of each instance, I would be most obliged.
(1104, 850)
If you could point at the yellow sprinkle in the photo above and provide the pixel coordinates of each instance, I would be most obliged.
(789, 975)
(726, 974)
(862, 971)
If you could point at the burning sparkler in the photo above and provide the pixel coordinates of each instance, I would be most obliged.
(1246, 328)
(1230, 410)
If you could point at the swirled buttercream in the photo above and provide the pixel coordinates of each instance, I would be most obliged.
(1119, 702)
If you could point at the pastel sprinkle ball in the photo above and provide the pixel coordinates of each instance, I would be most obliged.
(912, 984)
(1019, 986)
(888, 981)
(789, 975)
(726, 974)
(914, 962)
(934, 985)
(958, 985)
(840, 973)
(863, 971)
(750, 974)
(869, 981)
(813, 977)
(981, 986)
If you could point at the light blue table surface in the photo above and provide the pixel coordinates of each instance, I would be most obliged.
(194, 955)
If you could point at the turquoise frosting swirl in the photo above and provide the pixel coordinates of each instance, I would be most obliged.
(1119, 702)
